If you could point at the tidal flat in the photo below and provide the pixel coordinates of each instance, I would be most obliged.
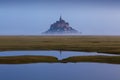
(100, 44)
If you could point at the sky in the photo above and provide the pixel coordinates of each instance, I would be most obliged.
(32, 17)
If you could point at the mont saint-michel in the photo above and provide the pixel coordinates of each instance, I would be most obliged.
(61, 27)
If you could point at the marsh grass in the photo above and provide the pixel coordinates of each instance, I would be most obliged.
(96, 59)
(27, 59)
(100, 44)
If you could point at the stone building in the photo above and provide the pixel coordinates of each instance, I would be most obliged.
(60, 27)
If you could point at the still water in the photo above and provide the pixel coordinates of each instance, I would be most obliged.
(58, 71)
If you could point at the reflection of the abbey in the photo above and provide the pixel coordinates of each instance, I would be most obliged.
(50, 59)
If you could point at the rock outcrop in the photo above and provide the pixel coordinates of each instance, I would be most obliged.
(61, 27)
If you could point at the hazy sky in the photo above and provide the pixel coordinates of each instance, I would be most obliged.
(31, 17)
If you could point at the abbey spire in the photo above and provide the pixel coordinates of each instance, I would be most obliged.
(60, 18)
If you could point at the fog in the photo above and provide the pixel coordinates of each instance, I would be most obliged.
(35, 17)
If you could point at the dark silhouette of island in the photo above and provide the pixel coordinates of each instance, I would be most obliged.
(60, 27)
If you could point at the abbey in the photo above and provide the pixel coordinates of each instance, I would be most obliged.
(60, 27)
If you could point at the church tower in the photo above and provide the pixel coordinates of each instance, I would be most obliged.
(60, 18)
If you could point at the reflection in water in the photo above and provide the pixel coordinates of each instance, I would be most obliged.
(58, 71)
(24, 57)
(59, 54)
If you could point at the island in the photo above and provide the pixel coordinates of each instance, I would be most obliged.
(61, 27)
